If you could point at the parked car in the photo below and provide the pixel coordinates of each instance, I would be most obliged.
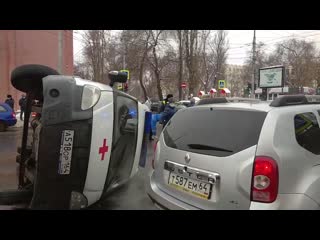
(7, 117)
(240, 155)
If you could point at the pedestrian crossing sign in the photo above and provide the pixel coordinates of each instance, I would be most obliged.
(221, 84)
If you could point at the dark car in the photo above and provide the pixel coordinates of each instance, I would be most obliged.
(7, 117)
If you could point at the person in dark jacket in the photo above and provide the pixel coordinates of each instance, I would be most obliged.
(169, 110)
(192, 102)
(22, 104)
(169, 99)
(10, 101)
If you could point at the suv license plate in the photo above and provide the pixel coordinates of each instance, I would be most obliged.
(191, 186)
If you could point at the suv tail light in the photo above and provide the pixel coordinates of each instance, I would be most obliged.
(154, 153)
(13, 115)
(33, 114)
(265, 180)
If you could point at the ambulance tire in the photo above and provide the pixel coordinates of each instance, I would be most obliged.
(28, 78)
(15, 196)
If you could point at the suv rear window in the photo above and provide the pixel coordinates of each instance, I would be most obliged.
(307, 132)
(214, 131)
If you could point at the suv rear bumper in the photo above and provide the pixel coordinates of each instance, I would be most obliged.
(284, 201)
(161, 199)
(287, 202)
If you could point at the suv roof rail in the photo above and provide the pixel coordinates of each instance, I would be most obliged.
(212, 100)
(239, 99)
(291, 100)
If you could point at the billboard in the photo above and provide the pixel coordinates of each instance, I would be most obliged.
(271, 77)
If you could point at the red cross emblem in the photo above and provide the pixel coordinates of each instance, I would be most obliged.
(103, 149)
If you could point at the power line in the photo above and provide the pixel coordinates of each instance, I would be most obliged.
(272, 41)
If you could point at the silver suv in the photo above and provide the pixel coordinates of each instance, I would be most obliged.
(240, 155)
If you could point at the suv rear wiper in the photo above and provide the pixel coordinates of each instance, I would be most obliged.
(207, 147)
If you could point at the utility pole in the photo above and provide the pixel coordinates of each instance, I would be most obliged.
(253, 64)
(124, 58)
(60, 51)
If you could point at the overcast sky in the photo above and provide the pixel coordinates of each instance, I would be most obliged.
(240, 41)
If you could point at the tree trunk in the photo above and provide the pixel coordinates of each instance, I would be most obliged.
(191, 45)
(157, 72)
(141, 76)
(180, 63)
(158, 85)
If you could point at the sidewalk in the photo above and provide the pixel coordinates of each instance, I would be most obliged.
(19, 122)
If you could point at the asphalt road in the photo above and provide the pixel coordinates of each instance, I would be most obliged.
(131, 196)
(9, 141)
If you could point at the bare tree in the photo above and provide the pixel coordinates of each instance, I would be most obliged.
(300, 56)
(160, 57)
(191, 46)
(316, 72)
(137, 46)
(219, 47)
(95, 48)
(206, 61)
(82, 70)
(180, 73)
(154, 59)
(146, 49)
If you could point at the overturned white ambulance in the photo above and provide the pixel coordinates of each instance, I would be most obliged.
(85, 140)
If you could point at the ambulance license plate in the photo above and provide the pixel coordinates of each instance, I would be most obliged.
(66, 152)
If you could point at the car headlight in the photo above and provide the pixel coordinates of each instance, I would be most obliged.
(90, 96)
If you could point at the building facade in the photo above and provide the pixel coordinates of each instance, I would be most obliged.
(234, 79)
(53, 48)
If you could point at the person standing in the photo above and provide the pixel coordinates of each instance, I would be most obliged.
(22, 104)
(166, 101)
(155, 119)
(192, 102)
(10, 101)
(169, 110)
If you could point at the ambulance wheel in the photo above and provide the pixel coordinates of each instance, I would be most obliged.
(10, 197)
(3, 126)
(28, 78)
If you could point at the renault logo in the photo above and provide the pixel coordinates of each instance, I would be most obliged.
(187, 158)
